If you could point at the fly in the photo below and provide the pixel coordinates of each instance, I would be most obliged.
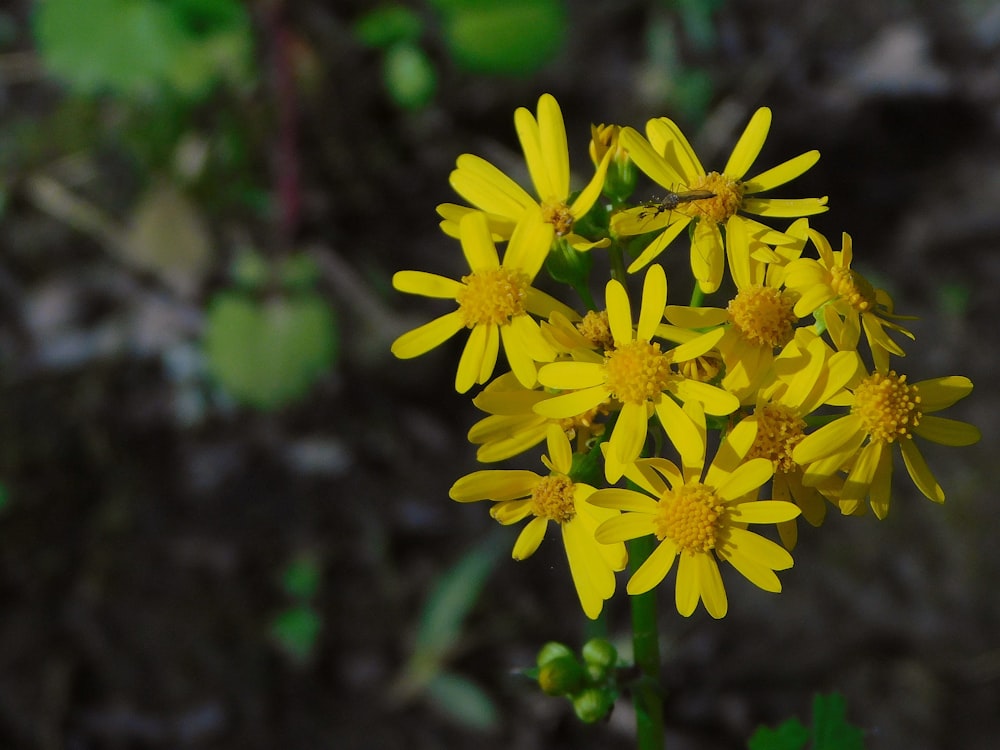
(672, 200)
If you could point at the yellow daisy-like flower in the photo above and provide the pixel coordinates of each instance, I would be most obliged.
(513, 426)
(668, 159)
(849, 302)
(495, 301)
(886, 410)
(504, 201)
(757, 321)
(809, 374)
(522, 494)
(637, 374)
(700, 516)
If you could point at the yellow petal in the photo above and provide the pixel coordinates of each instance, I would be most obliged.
(426, 284)
(654, 569)
(589, 195)
(622, 499)
(629, 432)
(470, 364)
(947, 431)
(520, 361)
(571, 404)
(859, 480)
(784, 208)
(697, 346)
(654, 300)
(765, 511)
(555, 152)
(707, 256)
(749, 145)
(919, 472)
(619, 312)
(651, 163)
(623, 527)
(746, 478)
(781, 174)
(529, 245)
(940, 393)
(421, 340)
(827, 440)
(477, 243)
(716, 401)
(487, 188)
(668, 140)
(530, 537)
(710, 587)
(657, 246)
(686, 434)
(696, 317)
(493, 484)
(687, 592)
(568, 376)
(560, 451)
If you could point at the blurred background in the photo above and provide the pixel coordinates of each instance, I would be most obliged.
(224, 519)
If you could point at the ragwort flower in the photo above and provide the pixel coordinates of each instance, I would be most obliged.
(637, 374)
(886, 410)
(700, 517)
(846, 300)
(668, 159)
(495, 301)
(557, 497)
(503, 200)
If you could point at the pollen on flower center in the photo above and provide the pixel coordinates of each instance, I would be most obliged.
(552, 498)
(889, 408)
(493, 296)
(691, 517)
(727, 200)
(853, 287)
(595, 328)
(763, 315)
(558, 215)
(779, 430)
(637, 372)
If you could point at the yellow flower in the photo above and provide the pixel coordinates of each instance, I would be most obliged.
(809, 374)
(847, 301)
(885, 410)
(700, 516)
(668, 159)
(757, 321)
(494, 301)
(636, 374)
(503, 200)
(513, 426)
(522, 494)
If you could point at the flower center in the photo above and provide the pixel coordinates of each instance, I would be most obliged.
(585, 426)
(763, 315)
(690, 516)
(888, 407)
(727, 200)
(494, 296)
(853, 287)
(558, 215)
(552, 498)
(594, 327)
(704, 369)
(779, 430)
(637, 372)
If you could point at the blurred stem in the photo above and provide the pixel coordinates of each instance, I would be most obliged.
(646, 697)
(286, 158)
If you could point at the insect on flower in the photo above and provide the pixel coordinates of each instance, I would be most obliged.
(672, 200)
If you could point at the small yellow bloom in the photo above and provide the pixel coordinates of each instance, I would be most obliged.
(504, 201)
(556, 497)
(846, 300)
(495, 301)
(886, 410)
(668, 159)
(636, 373)
(700, 517)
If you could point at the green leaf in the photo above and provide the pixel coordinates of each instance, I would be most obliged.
(830, 725)
(409, 76)
(269, 353)
(392, 24)
(450, 602)
(515, 37)
(296, 631)
(302, 577)
(790, 735)
(463, 701)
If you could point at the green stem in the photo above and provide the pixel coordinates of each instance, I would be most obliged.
(697, 296)
(646, 697)
(617, 258)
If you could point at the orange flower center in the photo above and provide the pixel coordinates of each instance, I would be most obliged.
(494, 296)
(889, 408)
(763, 315)
(637, 372)
(853, 287)
(558, 215)
(691, 517)
(727, 200)
(594, 327)
(552, 498)
(779, 430)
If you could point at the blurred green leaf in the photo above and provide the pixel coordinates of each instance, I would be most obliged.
(269, 353)
(302, 577)
(515, 37)
(296, 631)
(830, 725)
(250, 271)
(409, 76)
(299, 272)
(389, 25)
(131, 47)
(463, 701)
(790, 735)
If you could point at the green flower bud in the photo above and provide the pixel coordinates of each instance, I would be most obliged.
(552, 650)
(561, 676)
(593, 704)
(600, 657)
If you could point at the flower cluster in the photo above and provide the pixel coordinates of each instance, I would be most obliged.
(628, 397)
